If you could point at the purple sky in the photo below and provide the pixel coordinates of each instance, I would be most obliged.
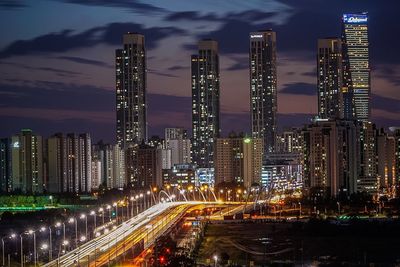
(57, 56)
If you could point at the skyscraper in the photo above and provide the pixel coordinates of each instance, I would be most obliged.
(263, 87)
(130, 66)
(356, 69)
(329, 68)
(205, 102)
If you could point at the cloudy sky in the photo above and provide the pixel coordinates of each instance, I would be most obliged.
(57, 59)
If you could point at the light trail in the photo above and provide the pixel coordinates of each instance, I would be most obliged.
(146, 226)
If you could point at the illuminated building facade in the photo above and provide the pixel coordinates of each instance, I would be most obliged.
(263, 87)
(112, 164)
(386, 161)
(238, 159)
(27, 162)
(356, 68)
(69, 163)
(5, 165)
(180, 175)
(329, 76)
(130, 64)
(331, 157)
(368, 180)
(178, 143)
(205, 102)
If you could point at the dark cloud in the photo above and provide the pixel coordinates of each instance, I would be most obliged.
(131, 5)
(192, 16)
(161, 73)
(68, 40)
(299, 89)
(177, 67)
(247, 15)
(309, 21)
(47, 128)
(59, 72)
(241, 63)
(389, 73)
(86, 61)
(385, 103)
(11, 4)
(57, 95)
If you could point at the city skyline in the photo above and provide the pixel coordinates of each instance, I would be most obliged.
(170, 106)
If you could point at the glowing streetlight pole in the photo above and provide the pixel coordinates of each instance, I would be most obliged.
(132, 199)
(215, 260)
(74, 220)
(93, 213)
(31, 232)
(83, 216)
(101, 210)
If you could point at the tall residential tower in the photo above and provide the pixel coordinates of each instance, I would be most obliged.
(205, 102)
(263, 87)
(130, 63)
(329, 69)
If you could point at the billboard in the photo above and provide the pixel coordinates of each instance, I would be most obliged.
(355, 18)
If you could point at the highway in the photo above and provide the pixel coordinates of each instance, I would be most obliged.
(141, 229)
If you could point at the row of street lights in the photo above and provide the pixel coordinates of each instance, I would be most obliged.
(74, 220)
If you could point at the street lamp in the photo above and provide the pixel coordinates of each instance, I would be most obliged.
(141, 202)
(58, 224)
(149, 198)
(83, 216)
(22, 250)
(93, 213)
(31, 232)
(101, 210)
(115, 204)
(215, 260)
(74, 220)
(2, 243)
(137, 206)
(13, 236)
(109, 211)
(132, 199)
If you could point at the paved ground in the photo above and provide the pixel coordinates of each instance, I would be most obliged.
(323, 242)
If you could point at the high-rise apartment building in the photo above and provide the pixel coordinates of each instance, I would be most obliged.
(205, 102)
(238, 159)
(130, 64)
(113, 167)
(69, 163)
(149, 166)
(5, 165)
(386, 161)
(263, 87)
(396, 135)
(178, 143)
(329, 78)
(331, 157)
(27, 162)
(368, 180)
(356, 68)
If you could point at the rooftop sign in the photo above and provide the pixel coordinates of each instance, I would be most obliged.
(355, 18)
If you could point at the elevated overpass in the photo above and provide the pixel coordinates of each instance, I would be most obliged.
(141, 230)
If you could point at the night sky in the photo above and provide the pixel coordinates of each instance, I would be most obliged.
(57, 59)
